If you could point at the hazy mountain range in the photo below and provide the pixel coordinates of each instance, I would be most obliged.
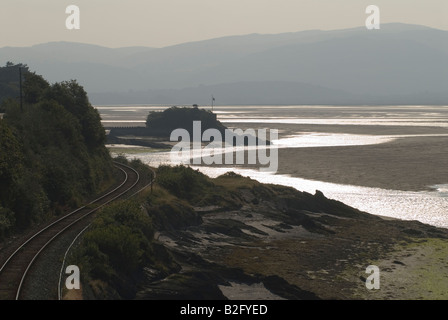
(399, 64)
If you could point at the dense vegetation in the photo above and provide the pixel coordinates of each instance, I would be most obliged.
(119, 247)
(116, 247)
(120, 253)
(52, 153)
(164, 122)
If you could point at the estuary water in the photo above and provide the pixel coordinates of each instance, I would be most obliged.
(426, 206)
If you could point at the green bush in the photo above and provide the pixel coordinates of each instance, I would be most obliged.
(118, 246)
(7, 221)
(175, 179)
(120, 235)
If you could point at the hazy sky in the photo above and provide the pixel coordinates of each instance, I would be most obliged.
(158, 23)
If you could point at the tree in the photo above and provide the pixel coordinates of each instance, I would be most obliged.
(74, 98)
(34, 87)
(11, 161)
(51, 152)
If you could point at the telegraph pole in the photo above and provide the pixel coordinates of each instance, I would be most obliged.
(20, 85)
(11, 65)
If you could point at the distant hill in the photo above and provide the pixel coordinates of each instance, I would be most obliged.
(398, 64)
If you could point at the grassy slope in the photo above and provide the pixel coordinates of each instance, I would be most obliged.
(313, 246)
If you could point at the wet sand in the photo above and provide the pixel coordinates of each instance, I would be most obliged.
(410, 255)
(409, 164)
(275, 246)
(412, 269)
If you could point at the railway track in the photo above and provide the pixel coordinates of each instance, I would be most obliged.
(79, 234)
(15, 268)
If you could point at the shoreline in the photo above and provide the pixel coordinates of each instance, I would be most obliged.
(405, 164)
(332, 265)
(288, 244)
(413, 163)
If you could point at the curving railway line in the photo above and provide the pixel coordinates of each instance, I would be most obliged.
(14, 270)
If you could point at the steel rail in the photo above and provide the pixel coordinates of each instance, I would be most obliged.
(65, 217)
(84, 230)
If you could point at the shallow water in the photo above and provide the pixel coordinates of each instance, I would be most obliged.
(433, 116)
(426, 206)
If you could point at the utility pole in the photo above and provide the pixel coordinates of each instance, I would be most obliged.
(213, 100)
(11, 65)
(20, 80)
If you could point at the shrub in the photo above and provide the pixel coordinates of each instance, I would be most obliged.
(175, 179)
